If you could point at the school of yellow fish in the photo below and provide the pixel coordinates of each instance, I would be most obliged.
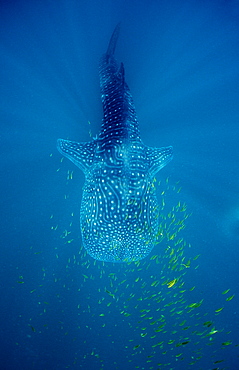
(164, 318)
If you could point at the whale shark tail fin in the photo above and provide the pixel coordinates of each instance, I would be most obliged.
(113, 40)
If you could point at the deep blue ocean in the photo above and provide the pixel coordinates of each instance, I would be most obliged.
(178, 308)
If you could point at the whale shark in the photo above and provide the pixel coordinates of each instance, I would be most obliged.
(119, 209)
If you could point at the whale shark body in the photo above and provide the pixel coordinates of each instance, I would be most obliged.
(119, 209)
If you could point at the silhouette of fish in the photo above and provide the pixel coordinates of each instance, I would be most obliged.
(119, 211)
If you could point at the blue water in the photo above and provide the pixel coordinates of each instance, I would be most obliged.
(60, 309)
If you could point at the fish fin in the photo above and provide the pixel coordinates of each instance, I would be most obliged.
(158, 158)
(81, 154)
(120, 73)
(113, 40)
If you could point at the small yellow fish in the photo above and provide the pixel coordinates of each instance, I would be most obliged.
(219, 309)
(171, 283)
(230, 298)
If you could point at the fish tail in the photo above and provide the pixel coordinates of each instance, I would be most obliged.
(113, 40)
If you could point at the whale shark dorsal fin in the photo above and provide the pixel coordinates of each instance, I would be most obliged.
(81, 154)
(158, 158)
(120, 73)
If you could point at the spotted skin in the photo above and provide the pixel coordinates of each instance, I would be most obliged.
(119, 209)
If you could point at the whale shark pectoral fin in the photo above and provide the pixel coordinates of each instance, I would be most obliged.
(81, 154)
(158, 158)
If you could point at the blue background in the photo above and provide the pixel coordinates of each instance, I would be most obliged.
(182, 66)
